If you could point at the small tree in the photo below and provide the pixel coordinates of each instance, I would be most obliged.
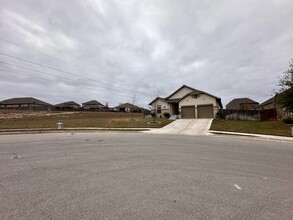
(133, 101)
(285, 96)
(155, 95)
(106, 106)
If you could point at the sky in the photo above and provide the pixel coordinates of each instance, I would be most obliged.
(119, 51)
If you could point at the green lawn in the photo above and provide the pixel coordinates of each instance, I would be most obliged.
(83, 119)
(255, 127)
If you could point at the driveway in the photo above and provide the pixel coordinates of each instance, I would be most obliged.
(186, 127)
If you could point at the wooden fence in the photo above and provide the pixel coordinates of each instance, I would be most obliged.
(249, 115)
(269, 114)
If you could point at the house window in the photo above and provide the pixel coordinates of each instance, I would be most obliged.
(195, 96)
(159, 109)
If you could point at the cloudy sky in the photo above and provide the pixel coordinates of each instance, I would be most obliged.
(111, 50)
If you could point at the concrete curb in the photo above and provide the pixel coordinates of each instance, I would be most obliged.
(63, 130)
(262, 136)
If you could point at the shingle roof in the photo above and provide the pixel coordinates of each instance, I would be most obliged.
(173, 100)
(127, 105)
(66, 104)
(194, 92)
(157, 99)
(24, 100)
(235, 103)
(197, 92)
(269, 101)
(92, 102)
(180, 89)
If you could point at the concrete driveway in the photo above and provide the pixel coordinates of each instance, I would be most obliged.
(186, 127)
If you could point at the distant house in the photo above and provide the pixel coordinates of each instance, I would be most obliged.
(25, 103)
(127, 107)
(242, 104)
(272, 104)
(67, 106)
(92, 105)
(268, 104)
(187, 102)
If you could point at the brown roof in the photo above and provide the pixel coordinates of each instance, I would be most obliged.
(274, 98)
(24, 100)
(157, 99)
(197, 92)
(269, 101)
(127, 105)
(179, 89)
(235, 103)
(66, 104)
(170, 101)
(194, 92)
(92, 102)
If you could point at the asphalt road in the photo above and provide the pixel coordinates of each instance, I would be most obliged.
(144, 176)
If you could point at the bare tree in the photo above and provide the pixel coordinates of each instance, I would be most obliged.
(133, 101)
(155, 95)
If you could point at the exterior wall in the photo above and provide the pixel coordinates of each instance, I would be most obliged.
(182, 92)
(165, 107)
(268, 106)
(242, 106)
(203, 99)
(248, 106)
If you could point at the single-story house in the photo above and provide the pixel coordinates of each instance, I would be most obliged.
(67, 106)
(127, 107)
(92, 105)
(242, 104)
(187, 102)
(25, 103)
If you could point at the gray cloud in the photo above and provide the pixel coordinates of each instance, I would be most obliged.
(118, 48)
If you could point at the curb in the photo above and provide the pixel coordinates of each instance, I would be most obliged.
(64, 130)
(262, 136)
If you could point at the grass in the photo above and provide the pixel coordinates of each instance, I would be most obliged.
(83, 119)
(256, 127)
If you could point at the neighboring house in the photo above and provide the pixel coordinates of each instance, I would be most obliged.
(26, 103)
(271, 103)
(242, 104)
(127, 107)
(92, 105)
(67, 106)
(187, 102)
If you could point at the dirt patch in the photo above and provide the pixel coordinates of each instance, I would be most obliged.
(24, 114)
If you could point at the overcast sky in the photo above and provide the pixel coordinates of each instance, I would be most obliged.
(109, 51)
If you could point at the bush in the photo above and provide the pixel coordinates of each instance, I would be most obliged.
(153, 114)
(288, 120)
(166, 115)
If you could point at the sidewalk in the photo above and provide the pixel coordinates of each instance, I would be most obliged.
(262, 136)
(54, 130)
(149, 130)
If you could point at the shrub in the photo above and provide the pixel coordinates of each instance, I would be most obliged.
(166, 115)
(288, 120)
(153, 114)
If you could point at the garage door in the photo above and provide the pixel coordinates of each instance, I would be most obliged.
(187, 112)
(205, 111)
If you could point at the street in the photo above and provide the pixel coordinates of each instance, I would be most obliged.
(107, 175)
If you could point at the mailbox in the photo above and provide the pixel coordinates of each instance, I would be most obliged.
(59, 124)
